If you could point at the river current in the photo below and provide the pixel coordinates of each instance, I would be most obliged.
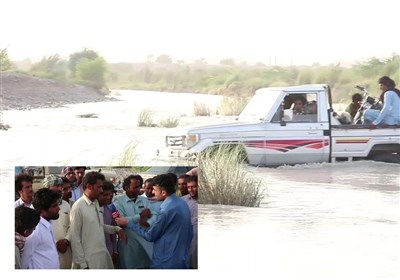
(317, 221)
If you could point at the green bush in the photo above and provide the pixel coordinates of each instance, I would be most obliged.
(51, 67)
(5, 62)
(224, 179)
(92, 72)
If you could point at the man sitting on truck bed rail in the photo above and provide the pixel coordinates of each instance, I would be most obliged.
(390, 113)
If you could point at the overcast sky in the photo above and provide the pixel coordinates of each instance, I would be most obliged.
(279, 31)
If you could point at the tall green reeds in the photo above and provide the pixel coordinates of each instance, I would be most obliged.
(224, 179)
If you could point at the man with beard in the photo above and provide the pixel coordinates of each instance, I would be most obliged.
(148, 190)
(61, 225)
(40, 250)
(67, 191)
(172, 231)
(182, 185)
(69, 173)
(105, 199)
(137, 252)
(88, 243)
(191, 200)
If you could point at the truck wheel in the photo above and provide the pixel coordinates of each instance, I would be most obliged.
(387, 157)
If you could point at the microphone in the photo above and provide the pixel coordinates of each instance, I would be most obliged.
(114, 212)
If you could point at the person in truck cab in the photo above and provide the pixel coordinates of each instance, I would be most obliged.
(390, 113)
(312, 108)
(299, 105)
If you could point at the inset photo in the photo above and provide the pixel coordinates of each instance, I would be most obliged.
(106, 217)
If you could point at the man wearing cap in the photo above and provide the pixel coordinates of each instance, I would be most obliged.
(68, 172)
(61, 225)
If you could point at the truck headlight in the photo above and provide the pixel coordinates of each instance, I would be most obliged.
(183, 141)
(191, 140)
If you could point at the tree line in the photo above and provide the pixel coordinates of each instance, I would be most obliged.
(227, 78)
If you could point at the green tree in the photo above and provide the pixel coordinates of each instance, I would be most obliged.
(5, 62)
(77, 57)
(91, 72)
(52, 67)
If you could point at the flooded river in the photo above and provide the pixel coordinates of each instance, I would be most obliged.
(318, 221)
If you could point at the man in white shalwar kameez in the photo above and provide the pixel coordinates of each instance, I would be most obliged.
(87, 227)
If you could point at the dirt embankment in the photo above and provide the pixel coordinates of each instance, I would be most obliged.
(23, 92)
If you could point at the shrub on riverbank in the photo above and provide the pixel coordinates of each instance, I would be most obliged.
(232, 106)
(145, 118)
(225, 180)
(169, 122)
(201, 109)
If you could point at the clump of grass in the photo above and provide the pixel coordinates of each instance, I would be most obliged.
(4, 126)
(128, 155)
(169, 122)
(224, 179)
(201, 109)
(145, 118)
(88, 116)
(232, 106)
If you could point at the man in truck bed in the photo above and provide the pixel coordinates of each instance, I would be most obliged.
(390, 113)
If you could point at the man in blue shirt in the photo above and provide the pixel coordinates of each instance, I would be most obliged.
(172, 231)
(390, 113)
(136, 253)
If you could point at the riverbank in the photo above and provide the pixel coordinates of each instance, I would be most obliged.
(20, 91)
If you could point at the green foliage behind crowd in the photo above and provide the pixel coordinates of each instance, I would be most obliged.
(227, 78)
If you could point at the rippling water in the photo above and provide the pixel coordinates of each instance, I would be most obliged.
(56, 136)
(320, 221)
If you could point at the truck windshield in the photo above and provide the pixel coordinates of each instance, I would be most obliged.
(260, 105)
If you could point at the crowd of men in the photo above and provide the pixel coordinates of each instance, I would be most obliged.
(76, 220)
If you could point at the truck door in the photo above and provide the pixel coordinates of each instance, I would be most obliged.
(299, 133)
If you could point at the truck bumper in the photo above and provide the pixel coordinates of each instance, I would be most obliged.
(174, 153)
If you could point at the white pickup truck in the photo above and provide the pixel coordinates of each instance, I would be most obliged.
(273, 135)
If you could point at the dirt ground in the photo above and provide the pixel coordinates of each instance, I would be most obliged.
(23, 92)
